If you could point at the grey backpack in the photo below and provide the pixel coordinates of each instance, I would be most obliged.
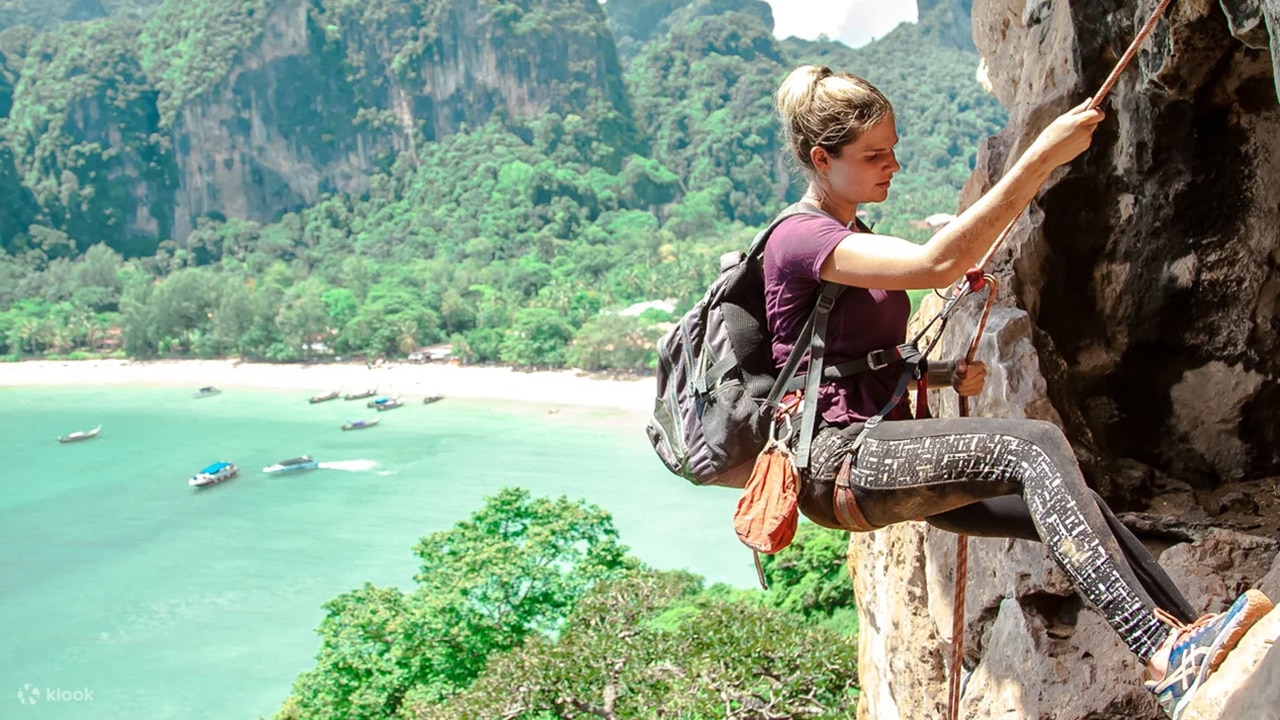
(718, 387)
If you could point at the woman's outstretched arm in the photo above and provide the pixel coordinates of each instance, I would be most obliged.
(889, 263)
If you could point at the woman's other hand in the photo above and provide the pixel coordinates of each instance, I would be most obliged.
(968, 378)
(1067, 136)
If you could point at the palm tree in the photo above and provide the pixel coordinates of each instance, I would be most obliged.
(79, 327)
(408, 329)
(28, 332)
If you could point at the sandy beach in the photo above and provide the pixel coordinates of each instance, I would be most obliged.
(565, 388)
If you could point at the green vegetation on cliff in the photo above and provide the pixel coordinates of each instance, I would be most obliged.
(83, 118)
(49, 14)
(188, 47)
(703, 94)
(637, 22)
(17, 204)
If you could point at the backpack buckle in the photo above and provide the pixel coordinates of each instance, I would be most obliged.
(825, 303)
(876, 360)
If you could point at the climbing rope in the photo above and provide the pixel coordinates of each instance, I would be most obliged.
(975, 280)
(975, 283)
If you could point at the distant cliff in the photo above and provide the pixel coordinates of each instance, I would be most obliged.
(949, 20)
(253, 109)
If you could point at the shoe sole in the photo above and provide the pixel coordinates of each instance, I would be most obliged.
(1257, 606)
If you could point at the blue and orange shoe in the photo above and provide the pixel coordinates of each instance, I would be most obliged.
(1199, 648)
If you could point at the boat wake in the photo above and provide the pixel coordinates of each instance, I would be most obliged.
(350, 465)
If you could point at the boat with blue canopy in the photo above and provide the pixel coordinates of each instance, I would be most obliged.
(213, 474)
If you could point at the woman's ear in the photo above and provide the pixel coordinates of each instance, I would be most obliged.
(820, 158)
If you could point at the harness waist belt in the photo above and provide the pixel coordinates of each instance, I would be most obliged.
(874, 360)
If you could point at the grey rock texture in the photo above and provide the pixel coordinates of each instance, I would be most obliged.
(1139, 308)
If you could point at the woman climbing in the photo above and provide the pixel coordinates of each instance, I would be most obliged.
(978, 476)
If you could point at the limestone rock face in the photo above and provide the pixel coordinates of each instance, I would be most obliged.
(1015, 385)
(234, 156)
(1033, 648)
(1138, 307)
(312, 98)
(284, 127)
(899, 645)
(1149, 268)
(1214, 571)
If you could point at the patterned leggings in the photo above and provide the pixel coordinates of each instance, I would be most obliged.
(958, 474)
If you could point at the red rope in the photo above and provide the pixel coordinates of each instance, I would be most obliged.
(957, 628)
(962, 541)
(1129, 54)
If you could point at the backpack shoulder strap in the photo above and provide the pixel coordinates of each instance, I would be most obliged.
(799, 208)
(811, 342)
(813, 378)
(796, 208)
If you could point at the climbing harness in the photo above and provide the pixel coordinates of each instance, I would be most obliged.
(974, 281)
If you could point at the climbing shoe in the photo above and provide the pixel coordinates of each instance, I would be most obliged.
(1199, 648)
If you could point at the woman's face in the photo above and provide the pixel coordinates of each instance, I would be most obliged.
(865, 167)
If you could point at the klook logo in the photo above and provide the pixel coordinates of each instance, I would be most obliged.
(29, 695)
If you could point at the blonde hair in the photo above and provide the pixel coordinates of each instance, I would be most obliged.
(821, 108)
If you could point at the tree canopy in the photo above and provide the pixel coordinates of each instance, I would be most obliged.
(511, 571)
(532, 609)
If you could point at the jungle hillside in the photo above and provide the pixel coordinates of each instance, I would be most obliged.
(302, 180)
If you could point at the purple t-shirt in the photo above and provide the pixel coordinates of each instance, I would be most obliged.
(861, 321)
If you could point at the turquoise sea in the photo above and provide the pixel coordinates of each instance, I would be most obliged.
(126, 594)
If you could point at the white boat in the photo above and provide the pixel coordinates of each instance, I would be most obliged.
(213, 474)
(298, 464)
(80, 435)
(209, 391)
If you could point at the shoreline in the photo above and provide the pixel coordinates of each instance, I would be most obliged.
(555, 387)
